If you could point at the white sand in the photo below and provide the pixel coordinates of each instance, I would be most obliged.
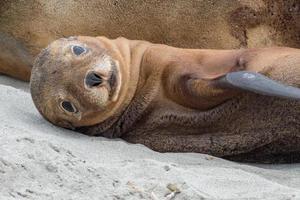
(40, 161)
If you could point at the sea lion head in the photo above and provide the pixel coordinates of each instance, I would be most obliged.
(78, 81)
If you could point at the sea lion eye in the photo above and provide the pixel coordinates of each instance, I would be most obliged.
(78, 50)
(68, 106)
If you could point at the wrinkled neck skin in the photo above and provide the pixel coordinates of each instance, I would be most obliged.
(147, 98)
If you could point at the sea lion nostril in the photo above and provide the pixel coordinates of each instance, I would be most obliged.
(93, 79)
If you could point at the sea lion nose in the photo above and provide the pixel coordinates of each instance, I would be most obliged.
(92, 79)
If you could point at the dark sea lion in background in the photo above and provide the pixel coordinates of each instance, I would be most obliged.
(28, 26)
(170, 99)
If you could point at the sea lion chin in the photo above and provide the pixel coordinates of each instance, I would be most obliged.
(84, 78)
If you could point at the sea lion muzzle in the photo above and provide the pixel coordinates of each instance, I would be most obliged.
(92, 79)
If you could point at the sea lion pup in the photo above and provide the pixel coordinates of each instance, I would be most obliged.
(217, 102)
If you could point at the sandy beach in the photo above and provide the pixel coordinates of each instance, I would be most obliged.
(41, 161)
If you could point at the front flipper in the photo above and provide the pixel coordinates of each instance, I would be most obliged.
(257, 83)
(223, 75)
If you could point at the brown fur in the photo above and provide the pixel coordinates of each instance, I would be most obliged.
(28, 26)
(167, 99)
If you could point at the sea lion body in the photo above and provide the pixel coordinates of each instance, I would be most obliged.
(166, 99)
(26, 27)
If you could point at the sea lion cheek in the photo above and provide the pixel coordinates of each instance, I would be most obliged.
(98, 97)
(103, 66)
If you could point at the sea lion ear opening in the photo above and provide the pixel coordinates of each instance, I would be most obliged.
(257, 83)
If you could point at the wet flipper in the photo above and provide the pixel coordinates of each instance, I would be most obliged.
(257, 83)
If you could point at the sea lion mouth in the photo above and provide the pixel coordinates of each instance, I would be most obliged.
(114, 81)
(111, 79)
